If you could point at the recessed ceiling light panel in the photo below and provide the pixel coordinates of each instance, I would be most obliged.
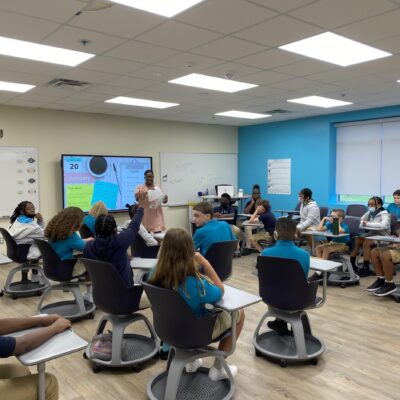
(15, 87)
(319, 101)
(130, 101)
(242, 114)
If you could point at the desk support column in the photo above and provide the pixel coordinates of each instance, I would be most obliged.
(41, 381)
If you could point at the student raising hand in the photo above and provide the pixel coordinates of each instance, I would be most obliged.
(141, 198)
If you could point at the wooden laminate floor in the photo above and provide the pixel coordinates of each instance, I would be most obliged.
(361, 333)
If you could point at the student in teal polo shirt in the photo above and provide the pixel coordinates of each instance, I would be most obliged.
(210, 230)
(98, 208)
(394, 208)
(285, 234)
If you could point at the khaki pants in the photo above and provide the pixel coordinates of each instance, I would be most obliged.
(17, 383)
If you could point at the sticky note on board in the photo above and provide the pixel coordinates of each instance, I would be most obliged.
(106, 192)
(79, 195)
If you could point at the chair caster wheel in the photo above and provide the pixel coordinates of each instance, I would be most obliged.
(358, 283)
(283, 363)
(84, 355)
(96, 369)
(90, 316)
(14, 297)
(314, 361)
(39, 293)
(137, 368)
(343, 285)
(156, 356)
(1, 294)
(258, 353)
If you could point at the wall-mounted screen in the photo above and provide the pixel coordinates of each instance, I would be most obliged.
(111, 179)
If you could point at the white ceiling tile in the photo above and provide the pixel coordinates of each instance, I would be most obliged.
(391, 45)
(18, 26)
(306, 67)
(117, 20)
(336, 75)
(237, 14)
(289, 29)
(331, 14)
(294, 84)
(54, 92)
(141, 52)
(39, 98)
(270, 59)
(373, 29)
(53, 10)
(25, 103)
(70, 37)
(111, 65)
(107, 89)
(281, 5)
(228, 48)
(61, 107)
(267, 77)
(130, 82)
(88, 76)
(21, 77)
(157, 73)
(231, 70)
(74, 100)
(37, 67)
(176, 35)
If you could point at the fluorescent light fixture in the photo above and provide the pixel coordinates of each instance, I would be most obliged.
(166, 8)
(318, 101)
(212, 83)
(130, 101)
(335, 49)
(15, 87)
(243, 114)
(41, 52)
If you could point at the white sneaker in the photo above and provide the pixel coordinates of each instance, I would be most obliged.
(194, 365)
(88, 297)
(218, 374)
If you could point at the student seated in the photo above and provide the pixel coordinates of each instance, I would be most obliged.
(97, 209)
(383, 260)
(16, 381)
(262, 214)
(375, 217)
(225, 210)
(61, 232)
(309, 213)
(285, 234)
(336, 245)
(143, 232)
(176, 269)
(24, 229)
(251, 205)
(211, 230)
(112, 247)
(394, 208)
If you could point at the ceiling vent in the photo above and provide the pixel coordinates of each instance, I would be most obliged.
(277, 111)
(68, 84)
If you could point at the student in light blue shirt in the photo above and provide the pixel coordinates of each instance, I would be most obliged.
(98, 208)
(177, 270)
(210, 230)
(285, 233)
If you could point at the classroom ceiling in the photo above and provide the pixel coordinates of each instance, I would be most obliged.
(138, 52)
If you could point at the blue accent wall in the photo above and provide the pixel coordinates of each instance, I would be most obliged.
(309, 142)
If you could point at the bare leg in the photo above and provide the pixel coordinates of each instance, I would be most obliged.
(376, 261)
(319, 250)
(226, 344)
(357, 245)
(367, 249)
(388, 266)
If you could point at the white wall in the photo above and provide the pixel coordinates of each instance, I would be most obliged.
(57, 132)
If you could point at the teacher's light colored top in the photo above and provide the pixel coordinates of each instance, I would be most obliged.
(153, 219)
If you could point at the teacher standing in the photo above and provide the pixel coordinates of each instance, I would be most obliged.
(153, 219)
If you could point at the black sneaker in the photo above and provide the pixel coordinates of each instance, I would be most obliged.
(279, 326)
(364, 272)
(315, 277)
(376, 285)
(386, 289)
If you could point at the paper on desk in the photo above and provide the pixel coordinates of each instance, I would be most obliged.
(155, 197)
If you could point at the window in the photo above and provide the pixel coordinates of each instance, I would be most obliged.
(367, 155)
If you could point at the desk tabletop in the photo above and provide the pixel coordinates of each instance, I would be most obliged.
(370, 228)
(235, 299)
(244, 215)
(324, 233)
(63, 343)
(319, 264)
(287, 211)
(4, 259)
(255, 223)
(224, 219)
(380, 238)
(143, 263)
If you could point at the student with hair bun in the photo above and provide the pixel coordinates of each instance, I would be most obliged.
(109, 246)
(254, 202)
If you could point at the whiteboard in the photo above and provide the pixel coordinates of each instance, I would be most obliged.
(19, 178)
(183, 175)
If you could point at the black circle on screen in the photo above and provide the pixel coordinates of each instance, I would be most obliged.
(98, 165)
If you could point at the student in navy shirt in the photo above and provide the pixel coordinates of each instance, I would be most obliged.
(177, 270)
(16, 380)
(112, 247)
(211, 230)
(64, 239)
(264, 215)
(285, 234)
(98, 208)
(225, 210)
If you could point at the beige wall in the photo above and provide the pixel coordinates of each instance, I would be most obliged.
(57, 132)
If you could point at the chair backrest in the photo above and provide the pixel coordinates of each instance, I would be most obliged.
(323, 212)
(354, 227)
(54, 268)
(109, 291)
(298, 205)
(235, 215)
(175, 322)
(393, 224)
(16, 252)
(85, 232)
(356, 210)
(282, 284)
(220, 255)
(140, 249)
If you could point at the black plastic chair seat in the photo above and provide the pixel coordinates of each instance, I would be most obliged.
(139, 248)
(85, 232)
(16, 252)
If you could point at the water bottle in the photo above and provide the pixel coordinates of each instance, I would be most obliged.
(335, 226)
(240, 193)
